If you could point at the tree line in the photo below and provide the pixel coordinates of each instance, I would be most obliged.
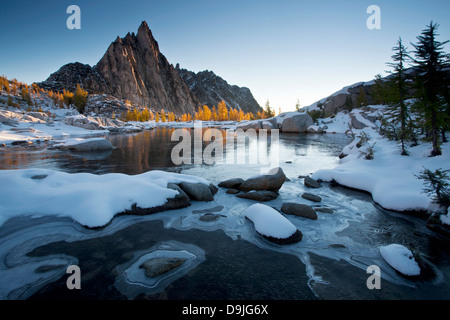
(416, 92)
(221, 112)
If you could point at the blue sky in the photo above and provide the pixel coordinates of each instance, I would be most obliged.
(281, 50)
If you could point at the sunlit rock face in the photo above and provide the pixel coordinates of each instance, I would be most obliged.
(135, 69)
(211, 89)
(132, 69)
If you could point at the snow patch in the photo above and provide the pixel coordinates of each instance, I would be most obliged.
(269, 222)
(92, 200)
(401, 259)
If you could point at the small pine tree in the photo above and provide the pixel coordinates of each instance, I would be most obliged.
(399, 89)
(361, 100)
(379, 90)
(268, 111)
(297, 106)
(436, 185)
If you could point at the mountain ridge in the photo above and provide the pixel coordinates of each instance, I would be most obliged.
(134, 69)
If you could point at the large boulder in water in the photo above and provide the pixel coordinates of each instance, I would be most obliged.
(297, 123)
(198, 191)
(272, 181)
(92, 144)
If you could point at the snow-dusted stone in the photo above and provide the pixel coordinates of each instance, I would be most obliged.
(401, 259)
(272, 181)
(300, 210)
(92, 144)
(315, 129)
(297, 123)
(272, 225)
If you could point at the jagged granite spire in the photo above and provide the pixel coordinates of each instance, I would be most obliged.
(135, 69)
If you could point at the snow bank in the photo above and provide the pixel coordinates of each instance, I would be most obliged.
(269, 222)
(401, 259)
(445, 218)
(389, 177)
(92, 200)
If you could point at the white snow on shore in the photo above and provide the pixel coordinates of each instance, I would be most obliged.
(389, 177)
(401, 259)
(92, 200)
(269, 222)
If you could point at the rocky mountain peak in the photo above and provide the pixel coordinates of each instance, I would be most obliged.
(134, 69)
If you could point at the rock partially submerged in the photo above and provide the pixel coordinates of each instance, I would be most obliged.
(311, 197)
(296, 123)
(271, 181)
(199, 191)
(300, 210)
(311, 183)
(262, 195)
(233, 183)
(160, 265)
(84, 145)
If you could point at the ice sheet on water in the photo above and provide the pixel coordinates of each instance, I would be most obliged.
(132, 281)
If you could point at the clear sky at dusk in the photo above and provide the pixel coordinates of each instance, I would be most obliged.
(281, 50)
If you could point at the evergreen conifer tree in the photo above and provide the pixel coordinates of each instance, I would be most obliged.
(431, 62)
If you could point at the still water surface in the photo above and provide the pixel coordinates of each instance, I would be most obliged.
(226, 258)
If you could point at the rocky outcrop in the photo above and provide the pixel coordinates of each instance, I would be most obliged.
(211, 89)
(71, 74)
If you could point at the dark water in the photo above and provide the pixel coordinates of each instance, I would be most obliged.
(233, 261)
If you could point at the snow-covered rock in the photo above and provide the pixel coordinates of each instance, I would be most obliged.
(401, 259)
(272, 225)
(92, 200)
